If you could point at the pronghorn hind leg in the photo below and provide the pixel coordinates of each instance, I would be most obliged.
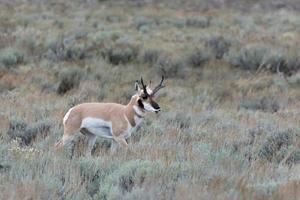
(66, 138)
(71, 126)
(58, 144)
(116, 143)
(91, 142)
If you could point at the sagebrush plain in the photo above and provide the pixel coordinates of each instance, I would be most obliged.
(230, 121)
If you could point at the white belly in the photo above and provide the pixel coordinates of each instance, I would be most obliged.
(103, 128)
(98, 127)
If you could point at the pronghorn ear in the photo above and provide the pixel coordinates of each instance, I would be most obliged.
(136, 85)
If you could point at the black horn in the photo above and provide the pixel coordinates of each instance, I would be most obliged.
(159, 86)
(144, 86)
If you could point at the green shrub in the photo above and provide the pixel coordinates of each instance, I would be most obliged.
(250, 57)
(294, 157)
(172, 22)
(151, 56)
(295, 80)
(179, 119)
(94, 173)
(28, 132)
(123, 179)
(170, 67)
(219, 45)
(260, 56)
(198, 22)
(4, 167)
(28, 44)
(140, 21)
(198, 58)
(130, 174)
(275, 60)
(264, 104)
(148, 129)
(280, 62)
(103, 37)
(138, 193)
(114, 18)
(164, 63)
(4, 86)
(275, 147)
(11, 57)
(69, 79)
(65, 49)
(123, 51)
(292, 66)
(48, 88)
(102, 144)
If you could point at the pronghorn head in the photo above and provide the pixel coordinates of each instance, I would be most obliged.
(146, 96)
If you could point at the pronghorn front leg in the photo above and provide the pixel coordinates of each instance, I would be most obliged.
(116, 143)
(91, 143)
(121, 141)
(114, 146)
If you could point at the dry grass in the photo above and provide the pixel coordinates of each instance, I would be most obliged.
(229, 128)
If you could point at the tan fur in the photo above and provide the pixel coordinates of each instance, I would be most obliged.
(113, 112)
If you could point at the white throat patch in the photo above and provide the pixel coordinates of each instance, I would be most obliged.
(138, 119)
(138, 111)
(148, 107)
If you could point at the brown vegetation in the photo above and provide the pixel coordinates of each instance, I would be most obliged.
(229, 126)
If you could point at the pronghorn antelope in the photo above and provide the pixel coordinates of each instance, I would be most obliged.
(110, 120)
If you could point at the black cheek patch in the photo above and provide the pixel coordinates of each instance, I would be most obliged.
(140, 103)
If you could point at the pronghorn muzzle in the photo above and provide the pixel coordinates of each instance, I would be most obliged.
(155, 106)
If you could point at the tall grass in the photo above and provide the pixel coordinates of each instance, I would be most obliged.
(229, 125)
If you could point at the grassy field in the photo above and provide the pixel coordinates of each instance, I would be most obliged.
(230, 121)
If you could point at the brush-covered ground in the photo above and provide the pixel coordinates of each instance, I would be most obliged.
(230, 121)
